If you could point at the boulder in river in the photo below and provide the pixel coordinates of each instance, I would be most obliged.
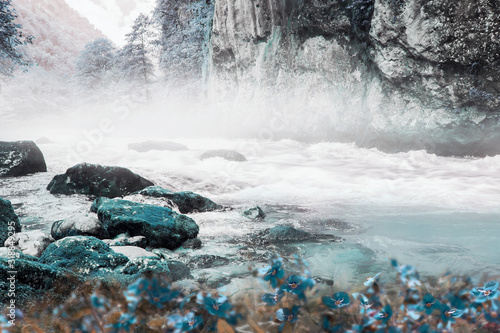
(162, 227)
(287, 234)
(186, 202)
(97, 180)
(84, 255)
(20, 158)
(78, 225)
(146, 146)
(9, 222)
(254, 213)
(229, 155)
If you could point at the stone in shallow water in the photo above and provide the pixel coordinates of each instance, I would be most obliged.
(20, 158)
(84, 255)
(286, 234)
(9, 222)
(194, 244)
(146, 146)
(254, 213)
(97, 180)
(32, 243)
(229, 155)
(78, 225)
(162, 227)
(186, 202)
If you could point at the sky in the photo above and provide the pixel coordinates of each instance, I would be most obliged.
(113, 17)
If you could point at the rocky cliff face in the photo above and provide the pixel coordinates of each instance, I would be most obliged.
(396, 65)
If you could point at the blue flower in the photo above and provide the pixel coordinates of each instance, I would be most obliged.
(448, 314)
(124, 323)
(273, 273)
(430, 304)
(98, 302)
(489, 291)
(158, 295)
(185, 324)
(408, 274)
(371, 280)
(273, 298)
(285, 314)
(296, 285)
(337, 301)
(217, 306)
(385, 314)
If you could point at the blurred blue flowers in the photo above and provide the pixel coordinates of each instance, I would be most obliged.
(489, 291)
(338, 300)
(274, 272)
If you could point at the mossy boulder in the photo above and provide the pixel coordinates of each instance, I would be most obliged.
(97, 180)
(162, 227)
(20, 158)
(186, 202)
(9, 222)
(83, 255)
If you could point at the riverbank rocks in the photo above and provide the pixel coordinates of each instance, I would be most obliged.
(20, 158)
(84, 255)
(146, 146)
(78, 225)
(254, 213)
(162, 227)
(32, 243)
(229, 155)
(97, 180)
(9, 222)
(33, 278)
(186, 202)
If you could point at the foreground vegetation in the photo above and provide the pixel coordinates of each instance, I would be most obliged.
(295, 303)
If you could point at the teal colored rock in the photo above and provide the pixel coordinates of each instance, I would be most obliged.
(82, 255)
(97, 180)
(9, 222)
(152, 266)
(282, 234)
(187, 202)
(32, 278)
(254, 213)
(162, 227)
(20, 158)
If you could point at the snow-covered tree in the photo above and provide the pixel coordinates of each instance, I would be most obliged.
(95, 64)
(185, 31)
(133, 59)
(11, 37)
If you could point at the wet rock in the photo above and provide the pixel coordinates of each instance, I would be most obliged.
(229, 155)
(9, 222)
(20, 158)
(254, 213)
(31, 278)
(207, 261)
(133, 252)
(157, 145)
(186, 202)
(97, 180)
(83, 255)
(161, 226)
(125, 240)
(78, 225)
(194, 244)
(173, 270)
(286, 234)
(32, 243)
